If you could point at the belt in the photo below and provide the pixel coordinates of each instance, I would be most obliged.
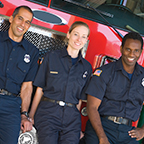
(5, 92)
(61, 103)
(119, 120)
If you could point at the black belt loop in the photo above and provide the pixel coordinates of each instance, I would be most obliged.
(5, 92)
(61, 103)
(119, 120)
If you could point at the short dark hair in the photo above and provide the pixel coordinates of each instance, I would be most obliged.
(16, 11)
(79, 23)
(132, 35)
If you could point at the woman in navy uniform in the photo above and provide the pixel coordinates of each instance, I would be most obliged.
(61, 82)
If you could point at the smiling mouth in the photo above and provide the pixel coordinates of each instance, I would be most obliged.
(131, 59)
(78, 44)
(20, 29)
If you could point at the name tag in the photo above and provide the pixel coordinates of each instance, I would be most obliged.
(53, 72)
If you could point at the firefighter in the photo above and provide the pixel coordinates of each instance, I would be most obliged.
(18, 67)
(115, 97)
(61, 82)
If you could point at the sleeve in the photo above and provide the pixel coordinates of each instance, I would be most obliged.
(40, 79)
(97, 86)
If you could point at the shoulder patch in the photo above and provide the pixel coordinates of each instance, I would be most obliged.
(97, 72)
(41, 60)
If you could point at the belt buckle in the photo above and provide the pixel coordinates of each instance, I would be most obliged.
(115, 120)
(61, 103)
(2, 92)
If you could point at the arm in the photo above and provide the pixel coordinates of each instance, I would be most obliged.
(25, 94)
(35, 103)
(93, 114)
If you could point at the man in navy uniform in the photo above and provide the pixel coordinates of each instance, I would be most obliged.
(115, 97)
(18, 66)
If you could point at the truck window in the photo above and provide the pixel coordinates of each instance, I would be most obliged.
(122, 14)
(42, 2)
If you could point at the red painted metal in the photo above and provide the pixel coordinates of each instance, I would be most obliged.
(102, 40)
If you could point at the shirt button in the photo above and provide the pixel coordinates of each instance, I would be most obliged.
(10, 58)
(7, 69)
(24, 70)
(13, 49)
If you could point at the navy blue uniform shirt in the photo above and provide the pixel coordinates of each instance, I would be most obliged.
(120, 96)
(60, 79)
(18, 64)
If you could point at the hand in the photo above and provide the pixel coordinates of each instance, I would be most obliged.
(137, 133)
(26, 124)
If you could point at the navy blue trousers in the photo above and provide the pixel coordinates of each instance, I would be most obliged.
(10, 119)
(56, 124)
(116, 133)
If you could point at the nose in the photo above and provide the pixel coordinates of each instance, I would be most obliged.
(132, 53)
(23, 23)
(79, 38)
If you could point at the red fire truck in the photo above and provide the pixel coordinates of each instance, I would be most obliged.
(108, 20)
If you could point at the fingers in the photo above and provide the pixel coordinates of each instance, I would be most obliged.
(26, 125)
(136, 134)
(132, 134)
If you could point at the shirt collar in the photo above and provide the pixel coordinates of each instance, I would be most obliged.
(5, 37)
(64, 53)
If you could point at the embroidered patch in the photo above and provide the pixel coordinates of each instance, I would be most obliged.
(41, 60)
(142, 82)
(97, 72)
(27, 58)
(85, 74)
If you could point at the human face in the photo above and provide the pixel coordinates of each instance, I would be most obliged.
(77, 38)
(19, 24)
(131, 52)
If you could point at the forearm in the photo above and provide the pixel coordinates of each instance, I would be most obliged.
(95, 120)
(35, 103)
(93, 114)
(26, 92)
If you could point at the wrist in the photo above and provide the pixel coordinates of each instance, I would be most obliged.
(25, 113)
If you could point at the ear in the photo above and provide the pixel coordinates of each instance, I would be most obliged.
(68, 35)
(11, 19)
(121, 49)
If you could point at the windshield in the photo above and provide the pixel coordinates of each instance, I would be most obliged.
(126, 15)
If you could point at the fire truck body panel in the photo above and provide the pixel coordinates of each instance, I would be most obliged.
(56, 16)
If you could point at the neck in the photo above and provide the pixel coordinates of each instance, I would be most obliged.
(72, 53)
(129, 69)
(13, 37)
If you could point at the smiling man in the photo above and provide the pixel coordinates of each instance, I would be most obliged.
(18, 67)
(115, 97)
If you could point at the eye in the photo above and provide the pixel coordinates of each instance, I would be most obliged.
(127, 49)
(137, 50)
(84, 37)
(28, 22)
(20, 18)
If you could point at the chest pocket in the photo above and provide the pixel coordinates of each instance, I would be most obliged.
(81, 81)
(24, 67)
(139, 96)
(54, 74)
